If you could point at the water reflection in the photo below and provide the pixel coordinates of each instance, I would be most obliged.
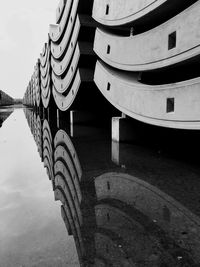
(31, 231)
(124, 205)
(4, 114)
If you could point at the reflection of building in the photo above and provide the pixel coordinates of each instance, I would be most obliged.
(115, 218)
(4, 115)
(5, 99)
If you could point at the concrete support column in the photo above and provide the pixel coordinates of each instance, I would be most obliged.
(118, 154)
(123, 130)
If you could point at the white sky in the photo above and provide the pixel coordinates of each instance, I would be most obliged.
(24, 25)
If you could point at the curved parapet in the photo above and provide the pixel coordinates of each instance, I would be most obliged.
(57, 50)
(59, 66)
(62, 84)
(60, 10)
(56, 30)
(170, 43)
(119, 12)
(70, 45)
(172, 105)
(160, 209)
(64, 102)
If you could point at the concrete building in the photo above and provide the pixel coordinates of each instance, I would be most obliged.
(140, 58)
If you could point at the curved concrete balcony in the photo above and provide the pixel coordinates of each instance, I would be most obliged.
(83, 79)
(44, 71)
(59, 66)
(61, 84)
(155, 205)
(119, 12)
(173, 42)
(44, 56)
(60, 9)
(45, 79)
(45, 89)
(57, 49)
(45, 76)
(64, 102)
(56, 30)
(46, 99)
(172, 105)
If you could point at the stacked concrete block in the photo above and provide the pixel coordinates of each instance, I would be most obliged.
(72, 57)
(125, 60)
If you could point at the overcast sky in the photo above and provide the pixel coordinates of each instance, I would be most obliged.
(24, 25)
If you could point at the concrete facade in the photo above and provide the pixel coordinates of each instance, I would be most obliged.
(83, 61)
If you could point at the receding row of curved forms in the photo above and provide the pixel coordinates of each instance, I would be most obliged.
(71, 40)
(64, 170)
(67, 63)
(116, 219)
(171, 105)
(32, 96)
(67, 60)
(170, 43)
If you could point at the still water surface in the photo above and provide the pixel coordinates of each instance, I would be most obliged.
(71, 197)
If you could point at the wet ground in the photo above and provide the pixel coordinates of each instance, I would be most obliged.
(69, 196)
